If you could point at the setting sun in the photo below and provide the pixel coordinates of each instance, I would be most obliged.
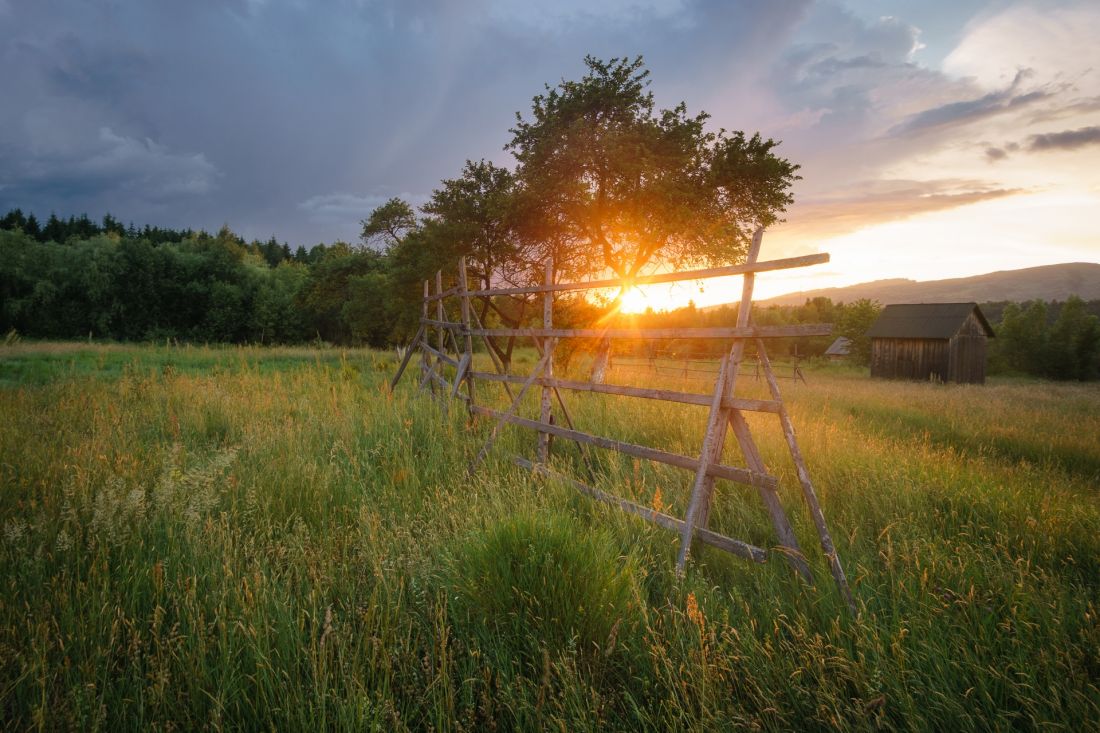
(635, 301)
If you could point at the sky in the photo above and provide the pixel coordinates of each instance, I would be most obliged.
(937, 138)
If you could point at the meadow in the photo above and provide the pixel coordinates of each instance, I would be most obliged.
(246, 538)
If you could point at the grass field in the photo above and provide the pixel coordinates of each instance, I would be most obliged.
(237, 538)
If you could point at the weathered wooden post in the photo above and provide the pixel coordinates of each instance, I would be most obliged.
(468, 339)
(425, 357)
(545, 414)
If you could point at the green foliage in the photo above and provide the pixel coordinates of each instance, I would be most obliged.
(388, 224)
(1068, 348)
(853, 322)
(608, 181)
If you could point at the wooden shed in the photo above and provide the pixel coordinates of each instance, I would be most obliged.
(930, 341)
(840, 349)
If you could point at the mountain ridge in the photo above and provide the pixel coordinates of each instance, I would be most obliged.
(1044, 282)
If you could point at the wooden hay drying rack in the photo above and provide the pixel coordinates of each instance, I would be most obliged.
(725, 409)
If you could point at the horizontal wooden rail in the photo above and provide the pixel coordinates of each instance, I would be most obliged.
(730, 473)
(706, 536)
(720, 332)
(666, 395)
(667, 277)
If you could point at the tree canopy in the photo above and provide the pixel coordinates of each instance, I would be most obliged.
(607, 181)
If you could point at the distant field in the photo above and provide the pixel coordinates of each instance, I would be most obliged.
(251, 538)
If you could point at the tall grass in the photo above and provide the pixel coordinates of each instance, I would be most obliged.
(246, 538)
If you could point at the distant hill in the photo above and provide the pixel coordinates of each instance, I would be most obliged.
(1049, 282)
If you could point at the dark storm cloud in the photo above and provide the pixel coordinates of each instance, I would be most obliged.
(967, 111)
(295, 118)
(1067, 140)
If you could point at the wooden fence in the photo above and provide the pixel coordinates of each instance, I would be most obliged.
(453, 348)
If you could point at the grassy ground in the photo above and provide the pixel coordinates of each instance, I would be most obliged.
(245, 538)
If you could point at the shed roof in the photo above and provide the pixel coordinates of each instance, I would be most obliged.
(925, 320)
(841, 347)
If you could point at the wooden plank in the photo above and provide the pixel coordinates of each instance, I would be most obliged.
(780, 521)
(664, 395)
(668, 277)
(706, 536)
(439, 354)
(408, 356)
(468, 341)
(720, 332)
(808, 491)
(545, 414)
(425, 361)
(730, 473)
(715, 417)
(463, 367)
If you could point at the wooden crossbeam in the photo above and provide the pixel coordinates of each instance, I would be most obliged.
(408, 355)
(668, 277)
(663, 395)
(730, 473)
(715, 332)
(706, 536)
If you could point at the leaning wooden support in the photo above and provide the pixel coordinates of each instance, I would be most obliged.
(468, 342)
(807, 486)
(783, 530)
(413, 346)
(545, 414)
(460, 373)
(706, 536)
(504, 417)
(426, 360)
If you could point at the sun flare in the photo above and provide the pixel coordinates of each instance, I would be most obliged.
(634, 301)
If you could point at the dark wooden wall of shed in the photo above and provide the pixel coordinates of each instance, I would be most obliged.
(920, 359)
(966, 353)
(958, 359)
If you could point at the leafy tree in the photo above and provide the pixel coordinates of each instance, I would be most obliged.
(854, 320)
(388, 224)
(1074, 343)
(474, 216)
(611, 182)
(328, 290)
(1022, 337)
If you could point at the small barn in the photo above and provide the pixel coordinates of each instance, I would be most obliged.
(840, 349)
(944, 342)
